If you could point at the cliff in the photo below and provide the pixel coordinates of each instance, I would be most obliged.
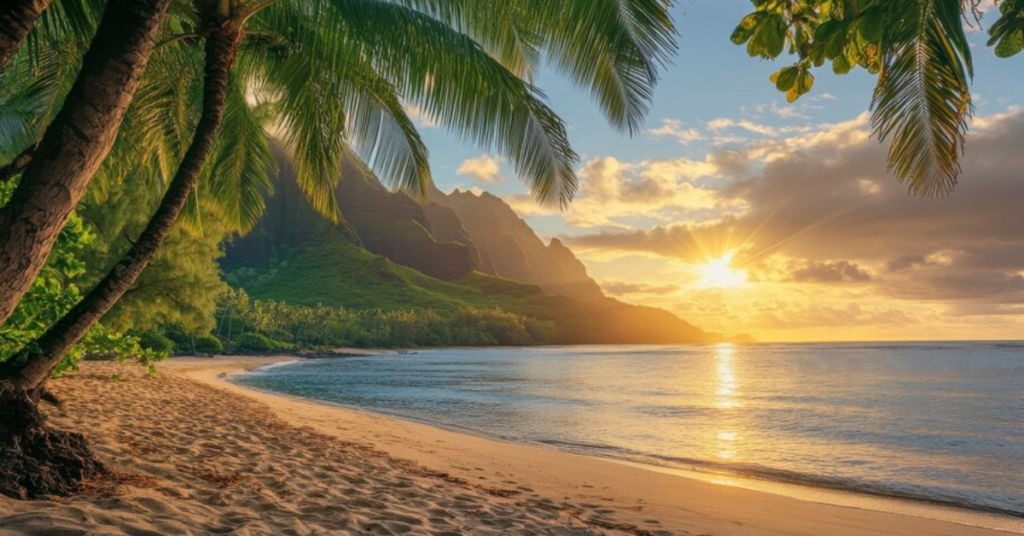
(513, 249)
(396, 227)
(385, 223)
(393, 253)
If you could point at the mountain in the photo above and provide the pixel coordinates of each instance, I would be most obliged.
(385, 223)
(333, 271)
(514, 249)
(391, 253)
(395, 226)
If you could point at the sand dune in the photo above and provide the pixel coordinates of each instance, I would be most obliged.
(195, 454)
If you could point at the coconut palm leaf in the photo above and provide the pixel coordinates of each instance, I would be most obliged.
(923, 101)
(463, 88)
(239, 175)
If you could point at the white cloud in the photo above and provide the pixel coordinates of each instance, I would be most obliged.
(483, 168)
(724, 123)
(419, 117)
(674, 128)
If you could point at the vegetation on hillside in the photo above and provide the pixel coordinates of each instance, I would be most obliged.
(335, 273)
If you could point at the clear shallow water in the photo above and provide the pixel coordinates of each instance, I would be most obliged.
(936, 421)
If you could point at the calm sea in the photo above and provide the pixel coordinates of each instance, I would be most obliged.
(936, 421)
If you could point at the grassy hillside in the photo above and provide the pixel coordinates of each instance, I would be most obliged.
(338, 273)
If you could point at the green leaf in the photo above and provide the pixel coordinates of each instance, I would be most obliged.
(804, 82)
(740, 35)
(786, 78)
(774, 35)
(871, 25)
(1010, 45)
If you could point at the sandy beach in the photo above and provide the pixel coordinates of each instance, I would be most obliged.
(193, 453)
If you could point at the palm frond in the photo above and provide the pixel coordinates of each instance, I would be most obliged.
(613, 46)
(456, 82)
(923, 101)
(376, 125)
(506, 30)
(238, 174)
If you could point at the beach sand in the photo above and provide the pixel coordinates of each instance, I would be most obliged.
(194, 453)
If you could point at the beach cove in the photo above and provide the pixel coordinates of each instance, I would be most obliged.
(194, 453)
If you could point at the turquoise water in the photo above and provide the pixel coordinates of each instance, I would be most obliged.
(936, 421)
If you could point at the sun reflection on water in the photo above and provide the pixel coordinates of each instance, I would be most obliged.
(727, 385)
(726, 398)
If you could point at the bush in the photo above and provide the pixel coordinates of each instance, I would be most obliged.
(182, 340)
(208, 344)
(155, 340)
(254, 342)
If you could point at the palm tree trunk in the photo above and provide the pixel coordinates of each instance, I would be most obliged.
(56, 462)
(50, 348)
(75, 143)
(17, 18)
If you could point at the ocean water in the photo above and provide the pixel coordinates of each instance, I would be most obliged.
(942, 422)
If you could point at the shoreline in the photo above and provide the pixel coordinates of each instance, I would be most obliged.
(922, 507)
(192, 452)
(807, 497)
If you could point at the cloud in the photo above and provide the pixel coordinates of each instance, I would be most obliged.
(724, 123)
(819, 316)
(620, 195)
(674, 128)
(483, 168)
(825, 199)
(617, 287)
(419, 117)
(830, 272)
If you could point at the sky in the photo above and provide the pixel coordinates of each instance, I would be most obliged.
(748, 215)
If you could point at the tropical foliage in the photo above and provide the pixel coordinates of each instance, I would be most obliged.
(919, 52)
(53, 293)
(247, 325)
(334, 78)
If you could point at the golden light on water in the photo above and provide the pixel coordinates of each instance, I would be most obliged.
(726, 397)
(727, 386)
(719, 273)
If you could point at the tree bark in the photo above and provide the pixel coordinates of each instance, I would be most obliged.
(221, 47)
(16, 166)
(17, 18)
(75, 143)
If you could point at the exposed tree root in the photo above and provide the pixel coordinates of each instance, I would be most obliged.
(36, 460)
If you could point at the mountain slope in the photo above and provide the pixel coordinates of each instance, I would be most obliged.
(392, 253)
(514, 249)
(336, 272)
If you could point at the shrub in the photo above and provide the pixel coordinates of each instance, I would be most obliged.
(208, 344)
(254, 342)
(155, 340)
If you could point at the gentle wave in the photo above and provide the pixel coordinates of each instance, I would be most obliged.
(936, 422)
(774, 475)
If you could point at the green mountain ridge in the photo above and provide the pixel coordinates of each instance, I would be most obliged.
(458, 252)
(332, 271)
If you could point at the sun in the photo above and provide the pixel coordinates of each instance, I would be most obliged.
(719, 273)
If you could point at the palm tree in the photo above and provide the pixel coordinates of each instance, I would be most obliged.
(17, 18)
(335, 75)
(75, 143)
(923, 99)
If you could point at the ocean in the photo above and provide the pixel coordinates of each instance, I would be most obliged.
(939, 422)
